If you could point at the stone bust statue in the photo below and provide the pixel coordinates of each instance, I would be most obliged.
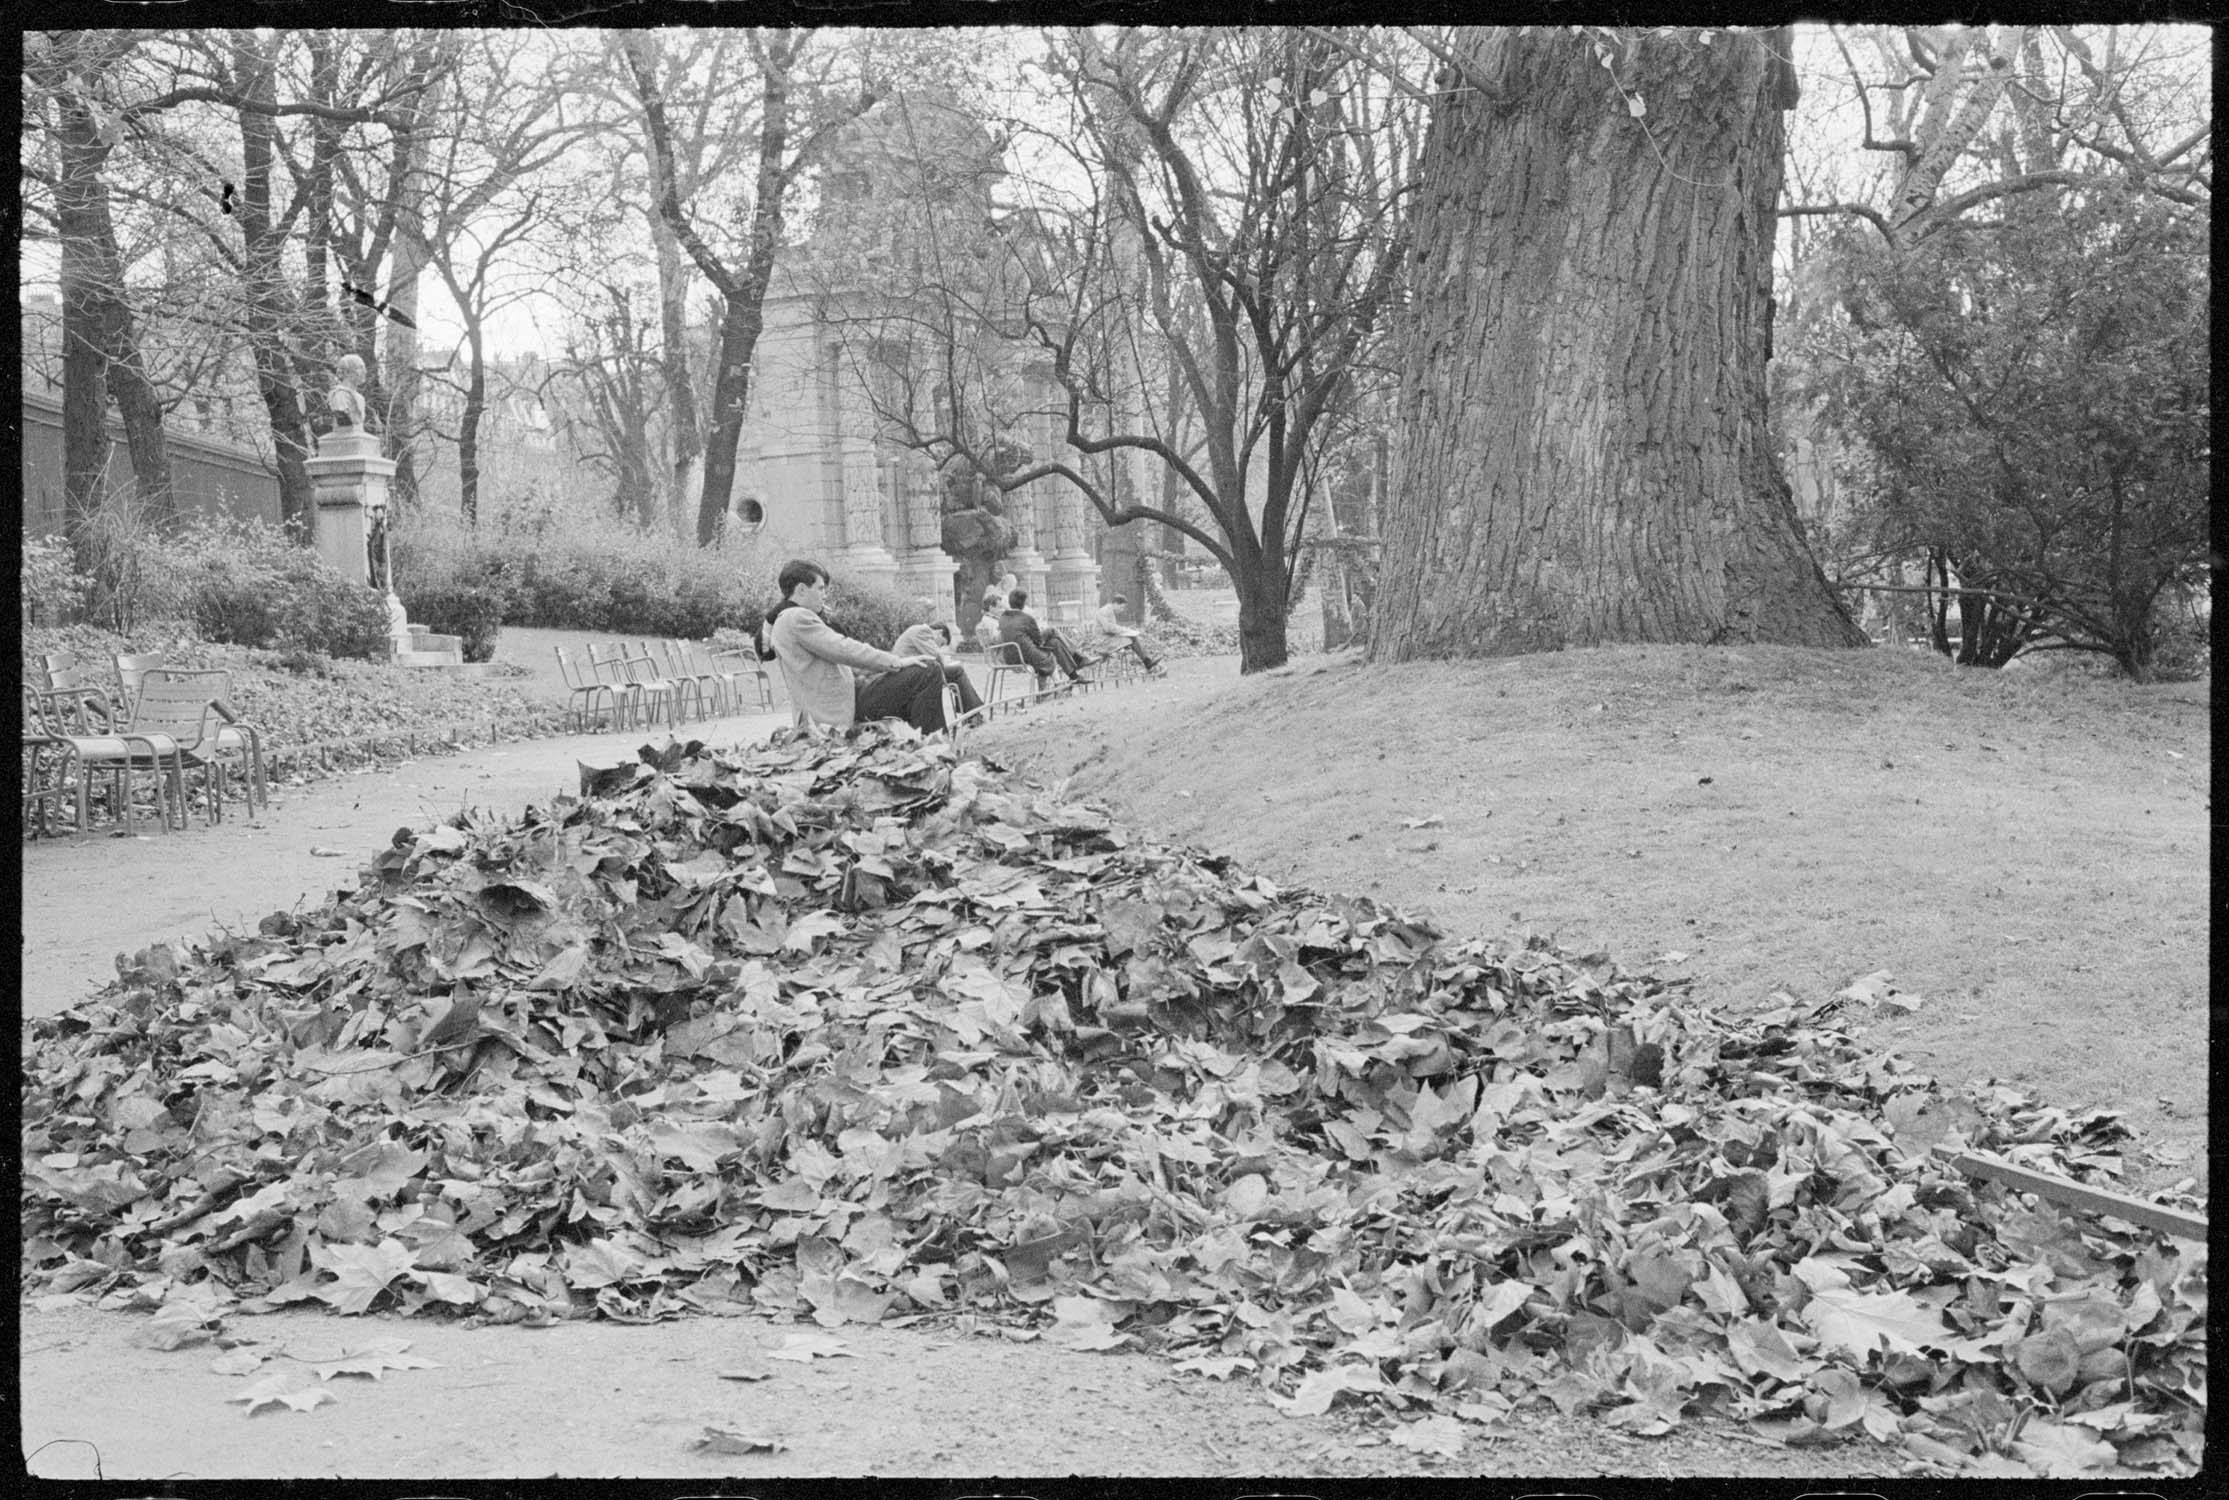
(344, 400)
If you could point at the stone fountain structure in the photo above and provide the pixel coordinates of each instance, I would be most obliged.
(349, 477)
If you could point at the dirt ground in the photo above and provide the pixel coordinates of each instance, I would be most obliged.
(2028, 858)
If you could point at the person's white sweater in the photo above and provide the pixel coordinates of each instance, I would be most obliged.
(818, 663)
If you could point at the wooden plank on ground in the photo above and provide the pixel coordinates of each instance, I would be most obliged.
(2080, 1195)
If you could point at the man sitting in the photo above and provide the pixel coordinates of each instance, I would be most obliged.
(819, 664)
(1109, 621)
(932, 639)
(1043, 649)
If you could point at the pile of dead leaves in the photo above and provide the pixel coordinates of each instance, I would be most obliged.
(849, 1030)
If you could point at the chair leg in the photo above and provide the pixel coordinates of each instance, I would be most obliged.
(177, 776)
(261, 791)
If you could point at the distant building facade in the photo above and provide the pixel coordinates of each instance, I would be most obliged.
(819, 471)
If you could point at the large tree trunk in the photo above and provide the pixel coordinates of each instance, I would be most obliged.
(1262, 614)
(270, 309)
(731, 389)
(686, 427)
(401, 382)
(101, 359)
(468, 426)
(1582, 454)
(84, 419)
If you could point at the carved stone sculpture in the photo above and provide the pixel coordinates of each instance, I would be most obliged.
(344, 400)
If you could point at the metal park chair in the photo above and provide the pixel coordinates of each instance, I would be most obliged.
(191, 710)
(689, 675)
(641, 665)
(734, 669)
(1006, 661)
(612, 662)
(130, 668)
(590, 699)
(68, 744)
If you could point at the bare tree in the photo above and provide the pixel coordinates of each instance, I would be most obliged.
(1204, 299)
(702, 153)
(608, 394)
(80, 76)
(1968, 120)
(793, 111)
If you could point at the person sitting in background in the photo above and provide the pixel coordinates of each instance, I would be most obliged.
(820, 665)
(932, 639)
(1043, 649)
(1109, 622)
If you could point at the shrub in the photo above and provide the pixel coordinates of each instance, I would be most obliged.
(245, 584)
(130, 580)
(54, 592)
(870, 612)
(582, 570)
(2183, 636)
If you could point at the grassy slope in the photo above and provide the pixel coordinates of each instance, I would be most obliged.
(2025, 852)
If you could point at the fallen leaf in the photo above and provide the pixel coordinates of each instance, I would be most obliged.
(1862, 1323)
(361, 1272)
(804, 1348)
(374, 1360)
(238, 1362)
(2050, 1360)
(176, 1326)
(1762, 1349)
(2062, 1451)
(732, 1440)
(272, 1391)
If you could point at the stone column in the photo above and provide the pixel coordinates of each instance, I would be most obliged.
(927, 568)
(1025, 562)
(858, 478)
(1074, 571)
(349, 480)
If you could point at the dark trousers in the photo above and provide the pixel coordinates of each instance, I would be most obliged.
(1136, 643)
(1057, 647)
(914, 694)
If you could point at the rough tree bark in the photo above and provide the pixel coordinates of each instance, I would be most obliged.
(271, 306)
(101, 360)
(685, 427)
(1581, 454)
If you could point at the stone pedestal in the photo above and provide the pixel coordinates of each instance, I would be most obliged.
(1072, 584)
(349, 481)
